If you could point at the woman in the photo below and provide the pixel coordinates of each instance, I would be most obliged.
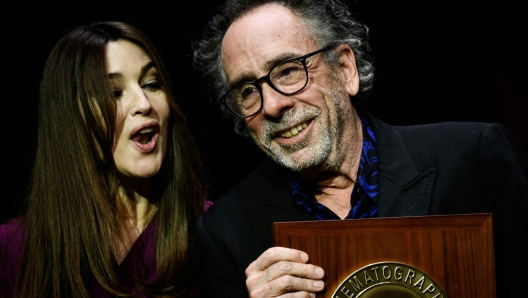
(117, 180)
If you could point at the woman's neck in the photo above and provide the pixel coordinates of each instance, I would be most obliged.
(135, 211)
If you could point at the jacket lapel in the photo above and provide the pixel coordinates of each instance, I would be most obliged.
(403, 191)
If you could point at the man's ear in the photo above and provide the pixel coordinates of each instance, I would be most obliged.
(347, 65)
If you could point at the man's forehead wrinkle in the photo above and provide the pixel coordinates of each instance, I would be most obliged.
(240, 67)
(245, 56)
(259, 40)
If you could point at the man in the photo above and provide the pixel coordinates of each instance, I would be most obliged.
(293, 75)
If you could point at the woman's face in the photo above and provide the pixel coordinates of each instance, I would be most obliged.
(143, 112)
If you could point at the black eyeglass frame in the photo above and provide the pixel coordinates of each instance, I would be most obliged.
(266, 78)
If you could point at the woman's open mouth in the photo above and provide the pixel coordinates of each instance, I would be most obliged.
(145, 136)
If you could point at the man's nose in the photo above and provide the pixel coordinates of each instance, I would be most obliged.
(274, 103)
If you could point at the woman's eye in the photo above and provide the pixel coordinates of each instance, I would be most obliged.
(117, 93)
(152, 85)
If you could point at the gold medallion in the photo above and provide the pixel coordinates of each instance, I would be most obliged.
(388, 280)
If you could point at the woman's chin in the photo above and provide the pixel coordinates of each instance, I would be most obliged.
(143, 174)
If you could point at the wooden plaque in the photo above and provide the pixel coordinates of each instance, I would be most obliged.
(454, 252)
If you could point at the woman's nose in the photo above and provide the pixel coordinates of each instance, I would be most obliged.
(140, 102)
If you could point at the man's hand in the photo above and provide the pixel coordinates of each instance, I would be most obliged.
(283, 272)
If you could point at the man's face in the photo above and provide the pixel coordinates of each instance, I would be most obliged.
(301, 131)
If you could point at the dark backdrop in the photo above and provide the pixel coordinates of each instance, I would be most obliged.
(436, 61)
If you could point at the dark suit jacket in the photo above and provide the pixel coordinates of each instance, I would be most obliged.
(433, 169)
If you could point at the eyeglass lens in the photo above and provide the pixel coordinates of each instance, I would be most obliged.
(288, 77)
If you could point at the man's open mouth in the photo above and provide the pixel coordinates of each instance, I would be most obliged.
(294, 130)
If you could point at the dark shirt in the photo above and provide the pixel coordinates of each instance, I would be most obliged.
(365, 193)
(140, 260)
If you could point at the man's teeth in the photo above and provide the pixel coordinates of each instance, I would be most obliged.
(294, 130)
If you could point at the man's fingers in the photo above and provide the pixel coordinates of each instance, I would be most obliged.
(283, 277)
(284, 268)
(276, 254)
(283, 271)
(294, 269)
(290, 286)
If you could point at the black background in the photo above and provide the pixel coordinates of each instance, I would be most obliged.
(436, 61)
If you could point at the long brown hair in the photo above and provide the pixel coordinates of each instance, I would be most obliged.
(71, 209)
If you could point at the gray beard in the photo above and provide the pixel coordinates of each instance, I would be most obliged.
(282, 154)
(327, 140)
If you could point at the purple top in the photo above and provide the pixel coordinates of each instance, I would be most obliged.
(140, 259)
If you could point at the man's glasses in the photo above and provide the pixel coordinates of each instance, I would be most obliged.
(288, 77)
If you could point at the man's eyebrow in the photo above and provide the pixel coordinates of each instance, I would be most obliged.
(246, 77)
(144, 69)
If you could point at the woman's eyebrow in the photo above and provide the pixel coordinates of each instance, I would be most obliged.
(115, 75)
(144, 69)
(147, 67)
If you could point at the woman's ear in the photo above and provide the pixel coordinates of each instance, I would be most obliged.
(347, 65)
